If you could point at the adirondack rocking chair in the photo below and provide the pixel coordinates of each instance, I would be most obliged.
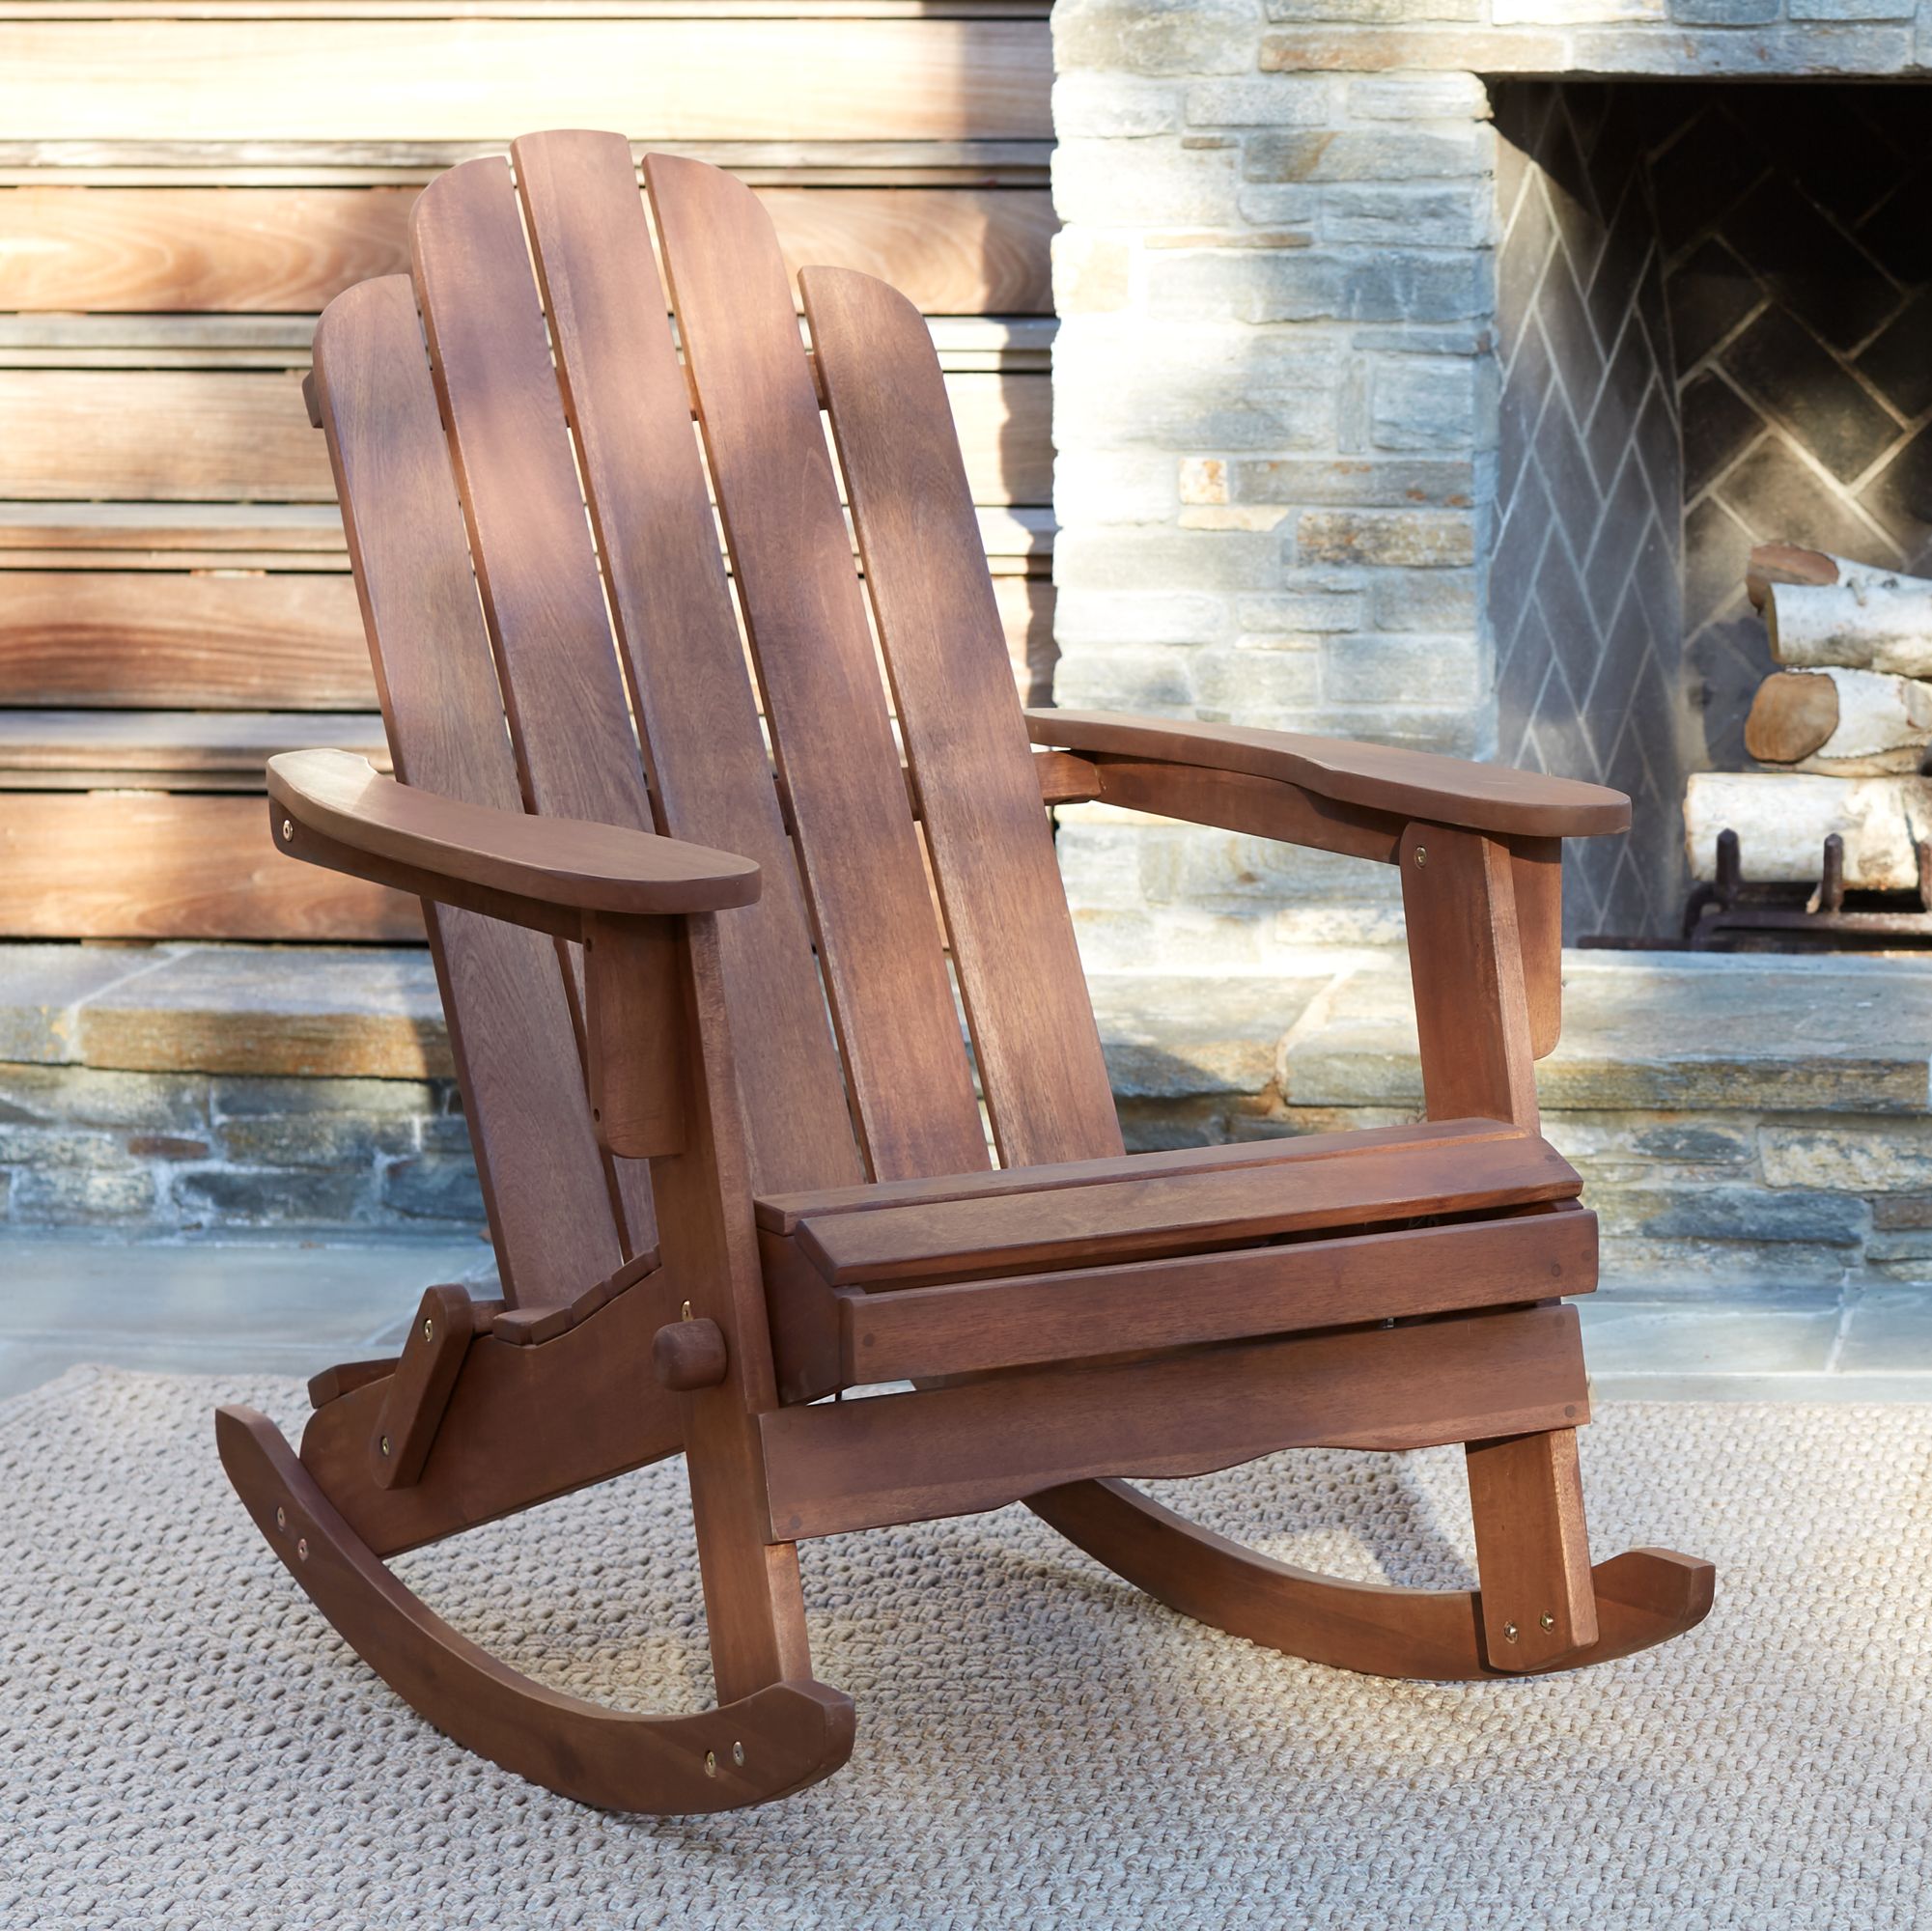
(698, 997)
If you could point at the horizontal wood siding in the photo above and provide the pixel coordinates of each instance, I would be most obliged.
(182, 189)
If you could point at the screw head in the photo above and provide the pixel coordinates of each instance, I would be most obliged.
(302, 1547)
(429, 1330)
(384, 1445)
(685, 1313)
(1421, 855)
(737, 1754)
(1510, 1631)
(711, 1763)
(288, 832)
(1546, 1620)
(281, 1517)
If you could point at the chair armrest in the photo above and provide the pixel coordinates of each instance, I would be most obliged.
(1404, 785)
(333, 809)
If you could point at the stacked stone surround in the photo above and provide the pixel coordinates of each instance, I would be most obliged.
(1277, 387)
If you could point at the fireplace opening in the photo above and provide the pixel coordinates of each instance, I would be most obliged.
(1714, 328)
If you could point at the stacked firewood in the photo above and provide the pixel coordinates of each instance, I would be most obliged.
(1850, 716)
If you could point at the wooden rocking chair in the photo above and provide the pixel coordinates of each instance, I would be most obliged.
(699, 1001)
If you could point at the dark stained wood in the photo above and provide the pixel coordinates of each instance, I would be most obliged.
(783, 1212)
(156, 640)
(775, 1741)
(690, 1354)
(597, 867)
(836, 1467)
(1134, 1219)
(1538, 1604)
(1536, 878)
(547, 1189)
(1020, 1320)
(289, 250)
(1240, 802)
(878, 943)
(335, 1381)
(170, 750)
(160, 866)
(1415, 784)
(526, 1422)
(991, 850)
(1643, 1597)
(711, 772)
(1078, 1316)
(633, 1024)
(1466, 961)
(419, 1390)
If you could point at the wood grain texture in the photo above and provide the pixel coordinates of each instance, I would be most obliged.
(1415, 784)
(168, 750)
(784, 1212)
(1018, 1321)
(690, 79)
(1465, 964)
(1643, 1597)
(288, 250)
(183, 434)
(592, 867)
(162, 865)
(982, 1443)
(634, 1023)
(711, 772)
(1035, 1044)
(420, 1387)
(1532, 1552)
(1136, 1219)
(503, 992)
(785, 1736)
(878, 945)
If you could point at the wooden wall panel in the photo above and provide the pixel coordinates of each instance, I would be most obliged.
(218, 435)
(166, 865)
(292, 250)
(173, 641)
(690, 79)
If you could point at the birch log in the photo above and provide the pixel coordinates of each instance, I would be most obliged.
(1778, 563)
(1782, 822)
(1884, 626)
(1844, 723)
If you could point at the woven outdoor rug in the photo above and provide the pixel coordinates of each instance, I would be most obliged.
(185, 1741)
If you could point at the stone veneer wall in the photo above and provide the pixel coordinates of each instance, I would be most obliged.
(1276, 389)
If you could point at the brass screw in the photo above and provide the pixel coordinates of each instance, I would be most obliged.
(685, 1313)
(711, 1763)
(1509, 1631)
(385, 1445)
(1547, 1620)
(737, 1754)
(1421, 855)
(429, 1330)
(281, 1518)
(302, 1547)
(288, 832)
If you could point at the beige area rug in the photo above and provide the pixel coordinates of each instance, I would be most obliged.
(183, 1742)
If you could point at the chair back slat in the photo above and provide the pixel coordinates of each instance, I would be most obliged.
(878, 941)
(544, 1184)
(629, 405)
(577, 753)
(1025, 996)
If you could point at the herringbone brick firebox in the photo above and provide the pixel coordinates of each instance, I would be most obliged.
(1714, 311)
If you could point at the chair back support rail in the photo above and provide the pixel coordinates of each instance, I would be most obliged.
(742, 1154)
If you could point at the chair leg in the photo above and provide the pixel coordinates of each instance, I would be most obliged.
(1641, 1598)
(1532, 1553)
(776, 1739)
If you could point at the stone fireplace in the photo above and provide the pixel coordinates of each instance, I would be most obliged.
(1427, 369)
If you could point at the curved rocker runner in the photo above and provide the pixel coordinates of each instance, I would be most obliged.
(731, 1146)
